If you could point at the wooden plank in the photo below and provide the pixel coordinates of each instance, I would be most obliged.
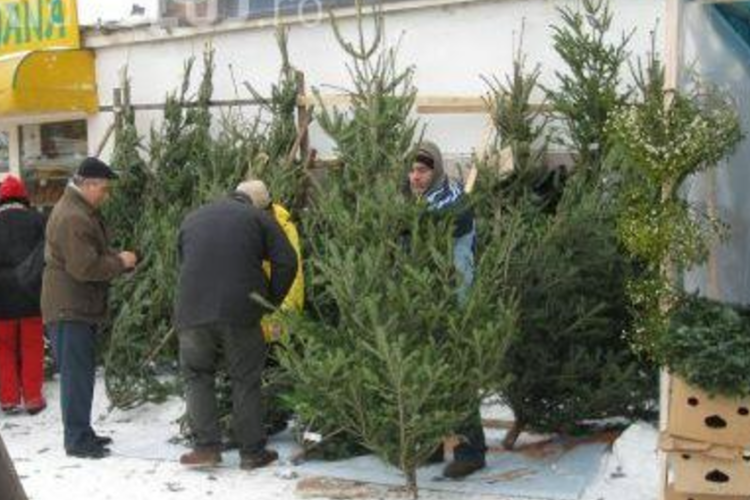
(451, 105)
(665, 386)
(214, 103)
(104, 140)
(337, 489)
(329, 100)
(673, 42)
(471, 180)
(304, 115)
(673, 55)
(713, 289)
(425, 104)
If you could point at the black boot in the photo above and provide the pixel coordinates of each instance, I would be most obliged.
(459, 469)
(89, 449)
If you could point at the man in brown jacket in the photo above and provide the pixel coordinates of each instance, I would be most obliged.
(79, 267)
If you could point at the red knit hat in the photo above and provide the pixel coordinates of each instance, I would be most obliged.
(12, 188)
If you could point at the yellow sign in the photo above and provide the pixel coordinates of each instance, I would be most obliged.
(38, 24)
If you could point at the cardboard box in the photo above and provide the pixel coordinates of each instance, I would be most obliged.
(700, 468)
(694, 415)
(671, 494)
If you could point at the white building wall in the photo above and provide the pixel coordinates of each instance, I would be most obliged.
(451, 47)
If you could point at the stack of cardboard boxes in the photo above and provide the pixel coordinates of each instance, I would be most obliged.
(707, 445)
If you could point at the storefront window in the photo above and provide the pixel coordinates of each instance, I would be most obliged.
(50, 153)
(4, 152)
(53, 147)
(197, 12)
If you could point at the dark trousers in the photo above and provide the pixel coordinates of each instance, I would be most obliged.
(473, 445)
(276, 385)
(74, 346)
(244, 350)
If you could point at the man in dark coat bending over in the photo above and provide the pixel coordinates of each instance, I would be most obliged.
(222, 246)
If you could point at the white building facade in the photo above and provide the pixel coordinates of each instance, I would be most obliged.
(450, 43)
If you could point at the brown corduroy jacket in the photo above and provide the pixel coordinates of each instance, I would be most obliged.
(79, 262)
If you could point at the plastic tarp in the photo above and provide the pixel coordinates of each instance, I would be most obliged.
(559, 469)
(716, 49)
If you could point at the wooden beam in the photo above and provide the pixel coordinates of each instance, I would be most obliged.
(673, 42)
(451, 105)
(216, 103)
(425, 104)
(304, 116)
(673, 60)
(338, 100)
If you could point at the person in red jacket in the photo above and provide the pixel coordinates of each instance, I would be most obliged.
(21, 330)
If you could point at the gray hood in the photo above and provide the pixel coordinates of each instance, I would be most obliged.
(431, 151)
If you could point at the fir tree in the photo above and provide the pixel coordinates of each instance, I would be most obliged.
(590, 87)
(521, 128)
(142, 323)
(191, 161)
(133, 171)
(569, 361)
(284, 174)
(391, 358)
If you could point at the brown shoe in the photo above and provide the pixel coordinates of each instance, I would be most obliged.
(258, 460)
(202, 457)
(459, 469)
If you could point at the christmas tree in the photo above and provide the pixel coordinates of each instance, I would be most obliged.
(390, 357)
(570, 361)
(190, 160)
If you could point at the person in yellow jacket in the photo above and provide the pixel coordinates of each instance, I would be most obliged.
(295, 299)
(277, 416)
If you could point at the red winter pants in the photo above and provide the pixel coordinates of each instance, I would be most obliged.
(21, 362)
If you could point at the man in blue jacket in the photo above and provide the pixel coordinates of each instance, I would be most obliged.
(429, 182)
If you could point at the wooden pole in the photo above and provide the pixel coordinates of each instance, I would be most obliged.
(10, 484)
(673, 61)
(301, 143)
(713, 289)
(304, 114)
(105, 140)
(673, 43)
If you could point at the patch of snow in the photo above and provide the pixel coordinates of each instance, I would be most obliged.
(144, 464)
(631, 471)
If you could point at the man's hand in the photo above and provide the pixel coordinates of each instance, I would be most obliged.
(129, 260)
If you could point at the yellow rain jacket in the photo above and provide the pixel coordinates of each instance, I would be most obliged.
(295, 299)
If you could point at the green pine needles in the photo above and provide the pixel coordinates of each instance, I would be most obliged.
(191, 159)
(662, 137)
(391, 358)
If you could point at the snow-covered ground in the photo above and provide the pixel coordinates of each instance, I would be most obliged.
(629, 472)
